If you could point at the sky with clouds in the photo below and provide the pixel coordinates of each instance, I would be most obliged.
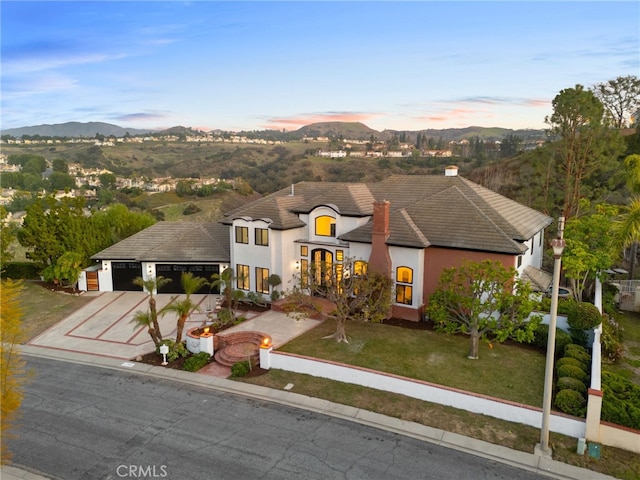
(281, 65)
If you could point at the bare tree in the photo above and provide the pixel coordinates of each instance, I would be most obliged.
(620, 97)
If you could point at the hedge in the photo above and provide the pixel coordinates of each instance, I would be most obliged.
(571, 402)
(571, 361)
(569, 383)
(541, 336)
(21, 270)
(196, 362)
(573, 372)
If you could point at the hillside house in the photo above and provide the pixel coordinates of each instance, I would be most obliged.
(411, 227)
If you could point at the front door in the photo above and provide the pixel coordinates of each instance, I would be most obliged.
(322, 266)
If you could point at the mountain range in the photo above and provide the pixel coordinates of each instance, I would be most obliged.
(346, 130)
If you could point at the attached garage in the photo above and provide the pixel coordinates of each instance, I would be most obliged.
(123, 274)
(174, 272)
(165, 249)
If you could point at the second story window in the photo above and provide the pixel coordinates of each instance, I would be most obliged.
(325, 226)
(242, 234)
(262, 236)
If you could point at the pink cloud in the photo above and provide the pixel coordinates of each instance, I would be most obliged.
(307, 119)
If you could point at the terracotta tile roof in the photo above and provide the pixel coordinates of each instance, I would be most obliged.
(173, 242)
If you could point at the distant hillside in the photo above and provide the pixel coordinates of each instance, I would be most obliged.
(74, 129)
(359, 131)
(483, 133)
(348, 130)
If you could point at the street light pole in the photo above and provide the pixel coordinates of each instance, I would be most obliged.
(558, 245)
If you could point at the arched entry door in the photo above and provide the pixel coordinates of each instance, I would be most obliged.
(322, 265)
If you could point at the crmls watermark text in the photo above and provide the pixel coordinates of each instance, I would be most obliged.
(141, 471)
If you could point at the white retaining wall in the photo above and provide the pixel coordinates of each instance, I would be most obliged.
(493, 407)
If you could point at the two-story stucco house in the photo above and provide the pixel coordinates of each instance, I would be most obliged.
(411, 227)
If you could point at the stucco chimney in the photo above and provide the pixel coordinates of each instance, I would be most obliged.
(380, 259)
(451, 171)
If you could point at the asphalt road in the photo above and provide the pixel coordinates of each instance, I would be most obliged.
(83, 422)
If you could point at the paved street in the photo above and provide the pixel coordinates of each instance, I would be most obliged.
(82, 422)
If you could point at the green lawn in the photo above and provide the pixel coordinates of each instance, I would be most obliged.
(511, 372)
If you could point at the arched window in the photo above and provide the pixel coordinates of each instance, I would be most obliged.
(404, 285)
(325, 226)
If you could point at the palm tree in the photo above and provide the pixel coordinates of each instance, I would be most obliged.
(150, 285)
(225, 281)
(143, 319)
(627, 228)
(183, 308)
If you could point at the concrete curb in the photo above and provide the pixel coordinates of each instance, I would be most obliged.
(497, 453)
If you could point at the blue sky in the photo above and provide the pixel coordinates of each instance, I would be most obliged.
(258, 65)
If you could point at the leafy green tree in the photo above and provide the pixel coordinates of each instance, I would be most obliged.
(510, 146)
(61, 181)
(117, 223)
(35, 166)
(150, 285)
(483, 299)
(183, 308)
(23, 158)
(67, 268)
(586, 144)
(590, 248)
(34, 182)
(620, 97)
(107, 180)
(12, 180)
(60, 165)
(40, 232)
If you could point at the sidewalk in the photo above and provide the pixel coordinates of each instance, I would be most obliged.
(522, 460)
(9, 472)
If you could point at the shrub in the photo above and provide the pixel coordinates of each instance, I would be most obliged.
(574, 348)
(573, 372)
(571, 402)
(196, 362)
(584, 316)
(621, 401)
(581, 356)
(175, 351)
(568, 383)
(240, 369)
(18, 270)
(541, 336)
(611, 339)
(571, 361)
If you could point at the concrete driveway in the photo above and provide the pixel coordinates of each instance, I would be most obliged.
(103, 326)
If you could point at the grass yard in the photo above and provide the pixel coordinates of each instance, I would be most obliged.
(43, 308)
(511, 372)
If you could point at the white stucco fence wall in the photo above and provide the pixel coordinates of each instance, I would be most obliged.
(504, 410)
